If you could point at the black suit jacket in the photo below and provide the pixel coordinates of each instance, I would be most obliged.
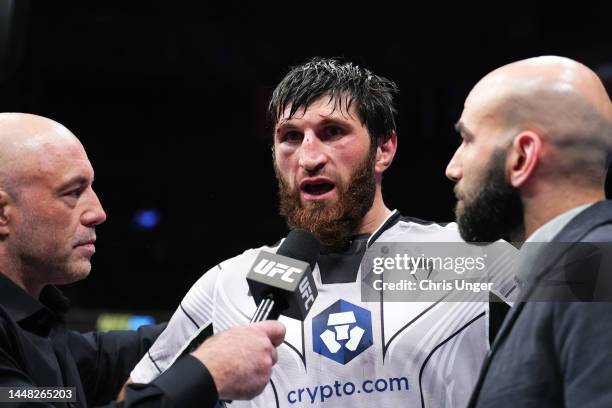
(557, 353)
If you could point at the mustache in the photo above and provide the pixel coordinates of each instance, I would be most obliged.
(458, 195)
(87, 236)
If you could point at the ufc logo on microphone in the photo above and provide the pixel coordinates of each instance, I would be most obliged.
(306, 292)
(271, 269)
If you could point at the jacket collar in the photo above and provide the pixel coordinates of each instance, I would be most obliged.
(587, 220)
(22, 307)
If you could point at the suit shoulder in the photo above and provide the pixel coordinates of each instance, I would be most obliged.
(602, 233)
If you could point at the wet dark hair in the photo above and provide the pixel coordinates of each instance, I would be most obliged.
(344, 83)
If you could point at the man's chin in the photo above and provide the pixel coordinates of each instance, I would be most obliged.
(78, 271)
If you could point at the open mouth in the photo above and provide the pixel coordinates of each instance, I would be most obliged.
(317, 189)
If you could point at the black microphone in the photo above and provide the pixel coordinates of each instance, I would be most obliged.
(283, 282)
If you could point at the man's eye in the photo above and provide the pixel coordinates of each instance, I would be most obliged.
(75, 193)
(332, 131)
(467, 138)
(291, 136)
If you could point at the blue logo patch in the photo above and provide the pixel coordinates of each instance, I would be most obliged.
(342, 331)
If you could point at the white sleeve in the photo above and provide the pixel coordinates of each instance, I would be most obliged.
(193, 315)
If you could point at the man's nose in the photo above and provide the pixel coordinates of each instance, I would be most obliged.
(454, 170)
(94, 213)
(312, 153)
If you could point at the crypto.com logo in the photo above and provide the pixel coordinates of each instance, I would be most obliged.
(342, 331)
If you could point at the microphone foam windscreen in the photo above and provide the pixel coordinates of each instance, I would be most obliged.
(302, 245)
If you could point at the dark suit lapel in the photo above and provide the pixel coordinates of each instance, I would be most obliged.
(598, 214)
(589, 219)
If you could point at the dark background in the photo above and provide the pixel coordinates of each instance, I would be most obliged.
(169, 100)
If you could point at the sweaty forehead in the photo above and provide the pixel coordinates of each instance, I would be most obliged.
(343, 107)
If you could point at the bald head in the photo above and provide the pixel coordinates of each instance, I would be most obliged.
(561, 100)
(568, 80)
(28, 144)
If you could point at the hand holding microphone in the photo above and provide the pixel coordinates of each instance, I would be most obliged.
(240, 359)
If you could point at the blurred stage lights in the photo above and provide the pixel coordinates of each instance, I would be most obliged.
(122, 321)
(146, 219)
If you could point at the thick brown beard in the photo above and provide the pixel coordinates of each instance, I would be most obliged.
(332, 223)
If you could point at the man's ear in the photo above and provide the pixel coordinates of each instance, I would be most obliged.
(385, 151)
(523, 158)
(4, 213)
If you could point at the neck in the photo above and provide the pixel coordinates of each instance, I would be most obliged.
(375, 216)
(542, 208)
(15, 274)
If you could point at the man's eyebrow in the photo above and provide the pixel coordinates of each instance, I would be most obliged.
(284, 125)
(335, 121)
(75, 181)
(460, 128)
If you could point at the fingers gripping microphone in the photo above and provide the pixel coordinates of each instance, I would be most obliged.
(283, 282)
